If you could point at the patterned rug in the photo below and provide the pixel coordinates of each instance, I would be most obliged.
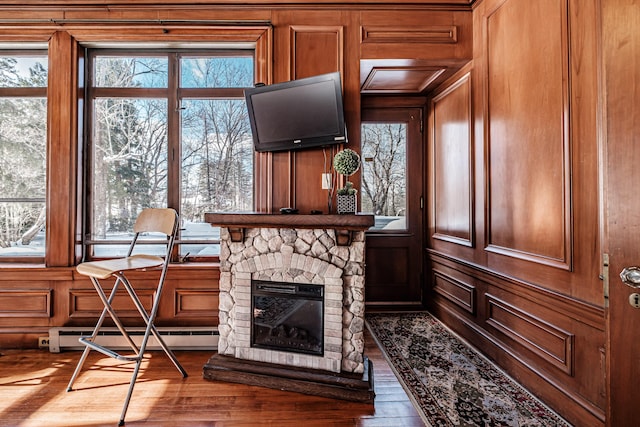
(450, 383)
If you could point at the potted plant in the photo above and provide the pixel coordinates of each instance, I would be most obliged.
(346, 162)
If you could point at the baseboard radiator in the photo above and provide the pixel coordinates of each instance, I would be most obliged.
(194, 338)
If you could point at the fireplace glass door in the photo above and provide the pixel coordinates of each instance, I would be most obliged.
(288, 317)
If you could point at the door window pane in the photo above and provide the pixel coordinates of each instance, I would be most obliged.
(384, 171)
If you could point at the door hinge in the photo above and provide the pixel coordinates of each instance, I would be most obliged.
(421, 202)
(605, 279)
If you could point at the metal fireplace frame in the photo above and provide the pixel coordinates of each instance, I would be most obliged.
(304, 293)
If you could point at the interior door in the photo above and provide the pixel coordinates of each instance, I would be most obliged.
(620, 19)
(391, 189)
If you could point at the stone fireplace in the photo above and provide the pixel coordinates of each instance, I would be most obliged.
(324, 250)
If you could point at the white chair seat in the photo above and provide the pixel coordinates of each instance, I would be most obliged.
(104, 269)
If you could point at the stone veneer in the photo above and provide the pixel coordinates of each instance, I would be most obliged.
(295, 255)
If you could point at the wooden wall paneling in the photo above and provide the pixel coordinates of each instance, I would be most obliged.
(192, 298)
(227, 3)
(587, 245)
(580, 158)
(27, 304)
(282, 185)
(455, 290)
(195, 303)
(551, 300)
(479, 123)
(451, 158)
(427, 34)
(166, 33)
(538, 340)
(389, 284)
(167, 12)
(314, 50)
(11, 275)
(86, 303)
(31, 302)
(527, 136)
(436, 35)
(263, 182)
(414, 52)
(62, 151)
(263, 162)
(549, 342)
(544, 339)
(352, 98)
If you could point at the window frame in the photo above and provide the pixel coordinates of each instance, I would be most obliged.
(173, 93)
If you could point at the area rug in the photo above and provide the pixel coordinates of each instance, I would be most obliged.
(449, 382)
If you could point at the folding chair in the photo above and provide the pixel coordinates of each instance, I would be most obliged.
(150, 221)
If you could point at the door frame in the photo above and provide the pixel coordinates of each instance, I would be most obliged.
(415, 202)
(620, 205)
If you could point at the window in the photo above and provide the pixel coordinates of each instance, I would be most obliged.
(168, 128)
(23, 148)
(384, 172)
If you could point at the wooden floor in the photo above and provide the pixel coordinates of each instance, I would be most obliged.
(33, 392)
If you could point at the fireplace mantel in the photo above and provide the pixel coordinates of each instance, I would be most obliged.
(343, 225)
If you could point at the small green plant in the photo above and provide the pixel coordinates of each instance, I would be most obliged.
(347, 189)
(346, 162)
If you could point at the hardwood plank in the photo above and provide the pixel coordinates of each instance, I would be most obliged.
(33, 393)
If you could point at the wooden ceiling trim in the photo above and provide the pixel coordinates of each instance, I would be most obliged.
(401, 79)
(428, 34)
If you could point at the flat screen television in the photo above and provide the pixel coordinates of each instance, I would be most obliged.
(297, 114)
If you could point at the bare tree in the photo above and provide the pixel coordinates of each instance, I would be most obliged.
(216, 139)
(22, 154)
(383, 175)
(130, 143)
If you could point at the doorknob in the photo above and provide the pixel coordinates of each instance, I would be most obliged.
(631, 276)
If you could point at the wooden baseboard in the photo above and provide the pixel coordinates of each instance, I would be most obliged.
(345, 386)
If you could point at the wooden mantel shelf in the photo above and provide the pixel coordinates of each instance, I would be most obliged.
(343, 225)
(260, 220)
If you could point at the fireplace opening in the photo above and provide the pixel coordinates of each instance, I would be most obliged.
(288, 317)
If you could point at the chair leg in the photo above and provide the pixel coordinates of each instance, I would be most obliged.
(150, 329)
(94, 334)
(132, 384)
(112, 313)
(149, 323)
(143, 345)
(168, 352)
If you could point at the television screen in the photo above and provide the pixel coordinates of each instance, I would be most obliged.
(297, 114)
